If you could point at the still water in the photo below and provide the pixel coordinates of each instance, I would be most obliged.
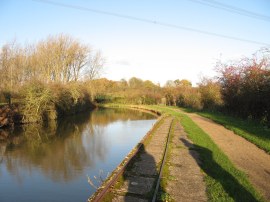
(52, 162)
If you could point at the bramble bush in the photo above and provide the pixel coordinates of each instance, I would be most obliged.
(245, 87)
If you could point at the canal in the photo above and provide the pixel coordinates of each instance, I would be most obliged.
(52, 162)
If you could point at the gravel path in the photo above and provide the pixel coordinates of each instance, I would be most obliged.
(245, 155)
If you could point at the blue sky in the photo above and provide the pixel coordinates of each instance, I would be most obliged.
(135, 48)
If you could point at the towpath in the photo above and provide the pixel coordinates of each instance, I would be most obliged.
(246, 156)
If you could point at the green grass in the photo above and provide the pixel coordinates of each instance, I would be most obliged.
(165, 171)
(162, 194)
(248, 129)
(223, 180)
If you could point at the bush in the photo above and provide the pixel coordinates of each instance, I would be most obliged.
(50, 101)
(71, 98)
(190, 97)
(210, 94)
(246, 87)
(37, 99)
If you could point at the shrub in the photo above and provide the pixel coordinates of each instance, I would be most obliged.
(37, 99)
(49, 101)
(189, 97)
(246, 87)
(71, 98)
(210, 94)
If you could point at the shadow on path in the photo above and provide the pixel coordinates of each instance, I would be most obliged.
(229, 183)
(140, 177)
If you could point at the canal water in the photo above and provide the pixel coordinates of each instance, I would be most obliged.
(52, 162)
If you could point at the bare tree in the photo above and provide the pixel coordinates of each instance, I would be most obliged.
(94, 67)
(12, 64)
(59, 58)
(79, 60)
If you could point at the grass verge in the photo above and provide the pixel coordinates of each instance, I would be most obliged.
(162, 194)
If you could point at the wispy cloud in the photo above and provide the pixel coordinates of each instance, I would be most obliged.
(122, 62)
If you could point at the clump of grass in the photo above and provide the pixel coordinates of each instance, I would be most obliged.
(108, 197)
(120, 182)
(164, 196)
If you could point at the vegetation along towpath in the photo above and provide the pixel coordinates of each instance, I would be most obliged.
(245, 155)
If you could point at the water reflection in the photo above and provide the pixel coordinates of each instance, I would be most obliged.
(66, 151)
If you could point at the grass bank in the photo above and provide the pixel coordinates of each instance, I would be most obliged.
(223, 180)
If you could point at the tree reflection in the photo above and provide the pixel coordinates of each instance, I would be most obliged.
(106, 116)
(61, 150)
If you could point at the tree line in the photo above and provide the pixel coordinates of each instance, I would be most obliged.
(242, 88)
(58, 58)
(62, 74)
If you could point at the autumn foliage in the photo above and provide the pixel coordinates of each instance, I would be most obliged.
(61, 74)
(245, 86)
